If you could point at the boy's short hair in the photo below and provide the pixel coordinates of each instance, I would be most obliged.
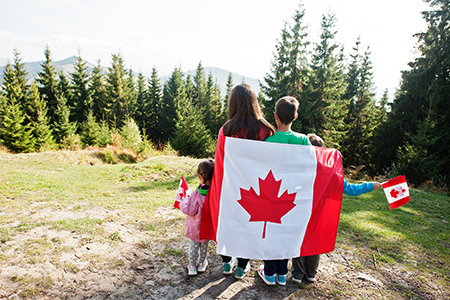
(315, 140)
(286, 108)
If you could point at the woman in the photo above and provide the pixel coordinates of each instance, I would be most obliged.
(245, 121)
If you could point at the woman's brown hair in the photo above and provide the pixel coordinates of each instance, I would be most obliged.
(244, 114)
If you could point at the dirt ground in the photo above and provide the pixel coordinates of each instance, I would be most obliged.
(124, 261)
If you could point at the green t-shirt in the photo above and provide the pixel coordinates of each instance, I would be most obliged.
(288, 137)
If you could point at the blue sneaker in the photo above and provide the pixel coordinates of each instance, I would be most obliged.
(239, 273)
(269, 280)
(281, 279)
(227, 267)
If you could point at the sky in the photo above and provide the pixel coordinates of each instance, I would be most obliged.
(235, 35)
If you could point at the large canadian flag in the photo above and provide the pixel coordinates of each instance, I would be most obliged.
(273, 201)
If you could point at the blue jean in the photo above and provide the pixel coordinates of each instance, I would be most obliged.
(279, 267)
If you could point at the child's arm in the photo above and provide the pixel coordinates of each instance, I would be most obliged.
(189, 206)
(358, 189)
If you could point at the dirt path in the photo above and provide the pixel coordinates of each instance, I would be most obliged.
(124, 261)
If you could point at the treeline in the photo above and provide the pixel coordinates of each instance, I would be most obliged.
(335, 90)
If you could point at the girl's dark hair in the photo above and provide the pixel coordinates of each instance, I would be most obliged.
(244, 114)
(206, 169)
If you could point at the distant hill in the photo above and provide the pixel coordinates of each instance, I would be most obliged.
(67, 66)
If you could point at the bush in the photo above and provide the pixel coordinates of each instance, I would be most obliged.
(131, 137)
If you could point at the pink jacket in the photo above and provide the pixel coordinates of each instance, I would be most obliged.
(192, 207)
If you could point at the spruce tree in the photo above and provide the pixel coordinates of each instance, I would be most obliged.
(15, 135)
(141, 102)
(324, 108)
(97, 91)
(48, 83)
(417, 125)
(224, 114)
(357, 148)
(131, 95)
(173, 100)
(40, 121)
(192, 138)
(63, 128)
(116, 90)
(90, 131)
(289, 71)
(153, 108)
(81, 97)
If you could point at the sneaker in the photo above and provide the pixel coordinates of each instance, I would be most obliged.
(227, 267)
(281, 279)
(295, 279)
(269, 280)
(310, 279)
(239, 273)
(192, 270)
(202, 267)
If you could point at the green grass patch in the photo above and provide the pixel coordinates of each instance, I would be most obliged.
(84, 225)
(416, 235)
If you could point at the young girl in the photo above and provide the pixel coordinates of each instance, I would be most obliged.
(192, 207)
(245, 121)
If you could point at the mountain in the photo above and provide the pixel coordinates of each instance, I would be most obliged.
(67, 66)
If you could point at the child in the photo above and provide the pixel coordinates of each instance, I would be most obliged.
(285, 113)
(306, 266)
(192, 207)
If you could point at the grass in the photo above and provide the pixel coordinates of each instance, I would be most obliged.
(414, 238)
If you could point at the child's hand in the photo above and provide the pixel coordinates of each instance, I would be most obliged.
(376, 185)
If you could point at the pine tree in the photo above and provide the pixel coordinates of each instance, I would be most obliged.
(289, 71)
(192, 138)
(15, 130)
(141, 102)
(357, 147)
(417, 125)
(91, 131)
(224, 114)
(63, 88)
(63, 128)
(97, 91)
(48, 83)
(39, 120)
(153, 108)
(131, 94)
(15, 135)
(324, 108)
(81, 97)
(116, 89)
(173, 100)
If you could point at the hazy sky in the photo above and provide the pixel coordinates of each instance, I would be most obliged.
(235, 35)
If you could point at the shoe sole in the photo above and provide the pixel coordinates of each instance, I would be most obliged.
(263, 278)
(296, 280)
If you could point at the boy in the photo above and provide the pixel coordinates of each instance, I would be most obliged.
(285, 113)
(306, 266)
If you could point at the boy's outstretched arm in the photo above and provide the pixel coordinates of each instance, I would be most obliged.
(358, 189)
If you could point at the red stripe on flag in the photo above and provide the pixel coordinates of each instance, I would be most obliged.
(394, 181)
(399, 203)
(320, 236)
(210, 213)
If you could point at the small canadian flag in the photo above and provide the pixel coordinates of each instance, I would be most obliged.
(184, 191)
(396, 190)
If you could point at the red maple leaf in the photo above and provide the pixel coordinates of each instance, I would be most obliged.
(267, 207)
(394, 193)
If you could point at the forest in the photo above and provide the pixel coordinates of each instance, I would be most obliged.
(99, 107)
